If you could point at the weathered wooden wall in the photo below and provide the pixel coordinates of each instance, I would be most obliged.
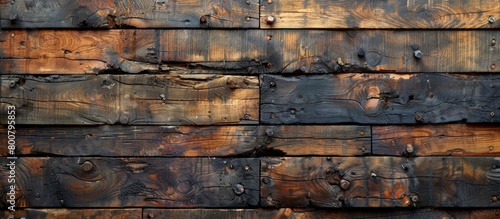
(251, 108)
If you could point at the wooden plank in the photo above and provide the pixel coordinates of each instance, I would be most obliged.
(202, 141)
(299, 213)
(437, 140)
(131, 99)
(246, 51)
(129, 14)
(93, 182)
(380, 182)
(461, 14)
(65, 213)
(380, 98)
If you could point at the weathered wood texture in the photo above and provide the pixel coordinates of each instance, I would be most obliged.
(120, 140)
(131, 99)
(380, 98)
(246, 52)
(381, 14)
(437, 140)
(64, 213)
(129, 14)
(298, 213)
(380, 182)
(134, 182)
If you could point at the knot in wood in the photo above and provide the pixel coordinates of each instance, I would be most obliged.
(344, 184)
(238, 189)
(333, 176)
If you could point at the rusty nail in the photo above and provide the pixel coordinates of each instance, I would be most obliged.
(203, 19)
(361, 52)
(13, 17)
(247, 168)
(492, 66)
(418, 54)
(248, 2)
(414, 198)
(269, 132)
(12, 83)
(419, 116)
(246, 116)
(269, 65)
(362, 133)
(493, 42)
(492, 114)
(269, 166)
(431, 95)
(373, 175)
(490, 148)
(238, 189)
(494, 198)
(12, 35)
(87, 166)
(491, 19)
(270, 19)
(266, 180)
(409, 148)
(269, 1)
(269, 37)
(344, 184)
(247, 19)
(272, 84)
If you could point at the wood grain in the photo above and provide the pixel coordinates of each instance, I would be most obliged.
(129, 14)
(437, 140)
(131, 99)
(65, 213)
(189, 141)
(379, 98)
(246, 51)
(393, 14)
(92, 182)
(304, 213)
(380, 182)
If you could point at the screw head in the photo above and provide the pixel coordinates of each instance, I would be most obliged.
(491, 19)
(414, 198)
(270, 19)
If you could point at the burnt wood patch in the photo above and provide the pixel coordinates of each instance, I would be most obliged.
(379, 98)
(93, 182)
(129, 14)
(459, 14)
(65, 213)
(131, 99)
(380, 182)
(437, 140)
(189, 141)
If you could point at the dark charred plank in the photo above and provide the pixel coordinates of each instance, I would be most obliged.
(90, 182)
(393, 14)
(118, 140)
(380, 182)
(247, 52)
(437, 140)
(129, 14)
(380, 98)
(303, 213)
(131, 99)
(65, 213)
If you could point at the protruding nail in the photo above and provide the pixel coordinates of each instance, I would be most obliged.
(492, 66)
(414, 198)
(418, 54)
(361, 52)
(373, 175)
(494, 198)
(269, 2)
(269, 132)
(247, 168)
(493, 42)
(12, 83)
(492, 114)
(246, 116)
(247, 19)
(418, 117)
(491, 19)
(87, 166)
(238, 189)
(247, 2)
(344, 184)
(270, 19)
(292, 111)
(13, 18)
(409, 148)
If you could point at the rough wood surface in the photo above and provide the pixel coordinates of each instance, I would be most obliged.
(379, 98)
(129, 14)
(380, 182)
(394, 14)
(65, 213)
(189, 141)
(131, 99)
(246, 52)
(93, 182)
(299, 213)
(437, 140)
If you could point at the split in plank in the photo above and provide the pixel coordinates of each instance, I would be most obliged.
(380, 98)
(90, 182)
(191, 141)
(299, 213)
(131, 99)
(247, 51)
(65, 213)
(380, 182)
(392, 14)
(437, 140)
(129, 14)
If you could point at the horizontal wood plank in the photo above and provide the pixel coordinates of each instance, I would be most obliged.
(462, 14)
(380, 182)
(118, 140)
(300, 213)
(92, 182)
(65, 213)
(131, 99)
(379, 98)
(247, 51)
(129, 14)
(437, 140)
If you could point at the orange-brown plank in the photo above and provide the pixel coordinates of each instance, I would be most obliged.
(65, 213)
(118, 140)
(380, 182)
(93, 182)
(129, 14)
(437, 140)
(130, 99)
(393, 14)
